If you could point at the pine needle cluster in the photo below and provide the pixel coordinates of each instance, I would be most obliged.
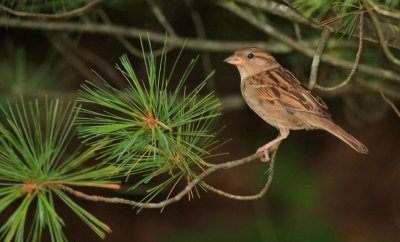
(35, 157)
(156, 128)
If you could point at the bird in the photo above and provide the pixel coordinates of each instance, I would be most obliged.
(281, 100)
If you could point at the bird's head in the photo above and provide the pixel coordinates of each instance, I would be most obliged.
(251, 61)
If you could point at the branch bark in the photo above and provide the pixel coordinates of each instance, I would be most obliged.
(198, 44)
(273, 32)
(176, 198)
(194, 44)
(260, 194)
(357, 60)
(66, 15)
(381, 36)
(317, 58)
(289, 12)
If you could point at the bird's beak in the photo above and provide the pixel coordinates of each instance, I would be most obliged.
(234, 60)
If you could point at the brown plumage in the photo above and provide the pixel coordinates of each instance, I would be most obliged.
(278, 97)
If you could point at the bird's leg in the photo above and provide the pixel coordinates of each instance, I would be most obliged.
(283, 133)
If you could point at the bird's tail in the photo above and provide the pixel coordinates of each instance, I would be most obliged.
(334, 129)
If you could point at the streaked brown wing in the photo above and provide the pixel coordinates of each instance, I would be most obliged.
(279, 85)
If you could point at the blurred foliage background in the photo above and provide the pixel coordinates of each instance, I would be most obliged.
(321, 191)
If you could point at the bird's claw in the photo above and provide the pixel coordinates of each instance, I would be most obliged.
(265, 157)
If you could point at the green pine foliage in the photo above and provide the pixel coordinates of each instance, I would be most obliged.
(347, 12)
(158, 129)
(328, 11)
(21, 75)
(46, 6)
(34, 159)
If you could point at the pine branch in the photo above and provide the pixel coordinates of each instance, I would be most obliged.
(381, 36)
(197, 44)
(64, 16)
(34, 139)
(177, 197)
(193, 44)
(390, 103)
(357, 59)
(275, 33)
(289, 12)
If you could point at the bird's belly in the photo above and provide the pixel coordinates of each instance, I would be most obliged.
(278, 117)
(275, 115)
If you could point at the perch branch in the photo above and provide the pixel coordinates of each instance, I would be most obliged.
(357, 59)
(260, 194)
(66, 15)
(176, 198)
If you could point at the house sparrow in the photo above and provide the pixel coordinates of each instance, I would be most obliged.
(276, 95)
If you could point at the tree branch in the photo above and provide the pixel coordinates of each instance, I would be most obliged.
(161, 17)
(176, 198)
(273, 32)
(92, 58)
(72, 59)
(260, 194)
(201, 34)
(390, 103)
(357, 60)
(383, 11)
(317, 58)
(371, 86)
(198, 44)
(66, 15)
(194, 44)
(381, 36)
(290, 13)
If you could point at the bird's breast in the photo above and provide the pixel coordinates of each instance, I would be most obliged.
(271, 112)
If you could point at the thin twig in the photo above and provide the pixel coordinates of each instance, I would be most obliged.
(196, 44)
(275, 33)
(356, 61)
(290, 13)
(94, 59)
(297, 32)
(176, 198)
(381, 36)
(281, 10)
(260, 194)
(161, 17)
(201, 34)
(65, 15)
(390, 103)
(131, 48)
(72, 59)
(385, 12)
(317, 58)
(373, 86)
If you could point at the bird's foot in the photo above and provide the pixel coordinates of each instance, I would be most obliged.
(265, 150)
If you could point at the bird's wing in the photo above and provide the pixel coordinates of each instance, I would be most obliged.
(281, 86)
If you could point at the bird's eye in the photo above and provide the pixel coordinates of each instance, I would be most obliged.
(250, 56)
